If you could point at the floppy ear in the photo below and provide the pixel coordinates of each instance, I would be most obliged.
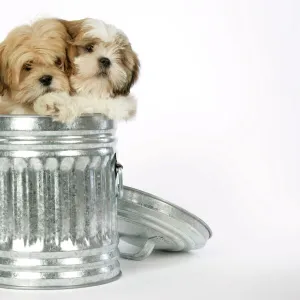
(135, 72)
(71, 53)
(135, 69)
(73, 29)
(2, 85)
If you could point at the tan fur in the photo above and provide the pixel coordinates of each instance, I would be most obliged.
(39, 46)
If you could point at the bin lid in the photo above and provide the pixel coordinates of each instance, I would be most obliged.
(149, 223)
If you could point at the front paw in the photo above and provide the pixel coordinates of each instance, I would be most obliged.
(121, 108)
(57, 105)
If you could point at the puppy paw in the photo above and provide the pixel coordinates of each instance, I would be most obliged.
(57, 105)
(121, 108)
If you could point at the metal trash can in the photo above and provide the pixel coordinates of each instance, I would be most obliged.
(59, 186)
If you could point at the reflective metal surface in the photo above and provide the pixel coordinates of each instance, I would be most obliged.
(150, 223)
(58, 206)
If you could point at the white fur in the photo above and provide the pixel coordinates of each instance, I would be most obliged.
(57, 105)
(87, 65)
(66, 109)
(106, 32)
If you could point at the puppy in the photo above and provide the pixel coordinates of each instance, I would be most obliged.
(104, 68)
(33, 62)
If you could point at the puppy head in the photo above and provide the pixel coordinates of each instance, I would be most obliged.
(103, 61)
(33, 61)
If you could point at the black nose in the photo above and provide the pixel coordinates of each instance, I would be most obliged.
(46, 80)
(104, 62)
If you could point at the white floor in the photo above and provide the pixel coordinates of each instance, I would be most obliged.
(239, 273)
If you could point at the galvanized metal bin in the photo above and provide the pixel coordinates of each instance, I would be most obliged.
(58, 202)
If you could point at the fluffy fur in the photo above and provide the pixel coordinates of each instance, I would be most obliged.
(65, 109)
(104, 68)
(27, 55)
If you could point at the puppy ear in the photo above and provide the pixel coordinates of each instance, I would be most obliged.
(71, 53)
(135, 69)
(2, 85)
(135, 73)
(73, 27)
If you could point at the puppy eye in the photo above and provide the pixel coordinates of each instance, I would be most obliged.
(58, 62)
(89, 48)
(27, 67)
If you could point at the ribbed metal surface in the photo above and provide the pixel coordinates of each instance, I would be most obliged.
(58, 205)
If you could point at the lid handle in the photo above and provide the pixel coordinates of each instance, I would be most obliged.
(143, 253)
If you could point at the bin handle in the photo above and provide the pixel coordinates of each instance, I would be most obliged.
(145, 250)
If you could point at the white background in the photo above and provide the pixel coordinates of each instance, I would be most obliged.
(217, 133)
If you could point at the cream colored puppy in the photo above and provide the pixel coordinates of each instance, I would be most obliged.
(33, 62)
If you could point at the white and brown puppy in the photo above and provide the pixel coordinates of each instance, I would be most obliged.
(104, 68)
(33, 62)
